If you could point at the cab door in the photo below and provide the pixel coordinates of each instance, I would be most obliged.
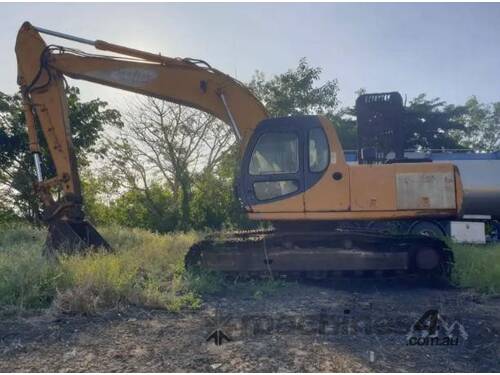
(272, 175)
(326, 173)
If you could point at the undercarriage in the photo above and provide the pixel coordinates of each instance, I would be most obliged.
(320, 254)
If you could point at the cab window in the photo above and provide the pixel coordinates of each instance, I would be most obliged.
(318, 150)
(265, 190)
(275, 153)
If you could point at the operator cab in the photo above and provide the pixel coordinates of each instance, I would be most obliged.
(285, 157)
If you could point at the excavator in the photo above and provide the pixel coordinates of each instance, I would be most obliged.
(293, 172)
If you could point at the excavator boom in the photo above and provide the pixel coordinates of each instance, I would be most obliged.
(41, 70)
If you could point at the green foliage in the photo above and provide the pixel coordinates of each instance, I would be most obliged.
(155, 210)
(205, 282)
(212, 203)
(482, 124)
(263, 288)
(213, 283)
(477, 267)
(13, 135)
(7, 215)
(346, 127)
(432, 124)
(87, 121)
(27, 280)
(95, 189)
(296, 92)
(145, 269)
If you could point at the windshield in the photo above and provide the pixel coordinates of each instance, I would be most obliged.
(275, 153)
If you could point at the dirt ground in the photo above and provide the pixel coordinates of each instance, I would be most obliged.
(332, 326)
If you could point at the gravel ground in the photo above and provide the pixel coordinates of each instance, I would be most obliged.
(356, 325)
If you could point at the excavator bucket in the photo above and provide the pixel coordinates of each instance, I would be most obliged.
(65, 237)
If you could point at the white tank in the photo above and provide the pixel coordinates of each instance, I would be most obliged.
(481, 181)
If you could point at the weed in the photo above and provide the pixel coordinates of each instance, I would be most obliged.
(27, 279)
(478, 267)
(145, 268)
(204, 282)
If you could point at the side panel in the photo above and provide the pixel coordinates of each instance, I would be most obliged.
(425, 190)
(354, 215)
(425, 186)
(373, 188)
(290, 204)
(403, 187)
(329, 193)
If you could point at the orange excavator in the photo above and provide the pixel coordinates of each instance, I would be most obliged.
(293, 172)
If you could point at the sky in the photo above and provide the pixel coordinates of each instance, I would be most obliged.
(446, 50)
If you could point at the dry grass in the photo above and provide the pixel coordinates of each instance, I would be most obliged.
(145, 268)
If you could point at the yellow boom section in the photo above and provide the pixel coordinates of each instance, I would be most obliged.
(184, 81)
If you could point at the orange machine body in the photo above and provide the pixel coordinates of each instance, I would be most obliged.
(368, 191)
(336, 191)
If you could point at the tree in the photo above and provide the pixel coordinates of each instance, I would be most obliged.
(169, 145)
(433, 124)
(98, 192)
(87, 120)
(215, 205)
(346, 127)
(482, 125)
(296, 92)
(134, 208)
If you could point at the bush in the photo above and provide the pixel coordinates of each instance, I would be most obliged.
(144, 268)
(27, 279)
(477, 267)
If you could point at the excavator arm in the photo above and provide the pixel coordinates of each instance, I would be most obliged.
(41, 71)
